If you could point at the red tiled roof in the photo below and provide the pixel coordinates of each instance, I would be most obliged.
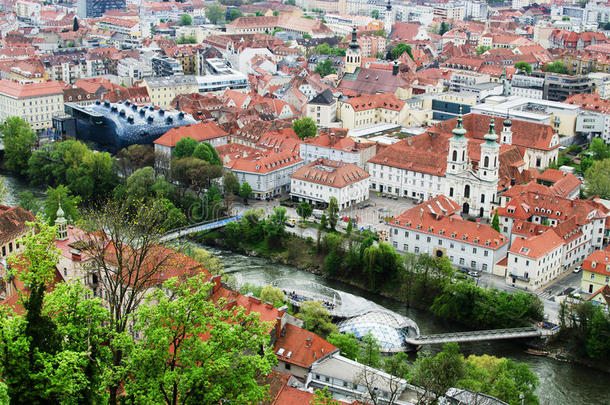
(264, 164)
(12, 222)
(437, 216)
(591, 102)
(330, 173)
(18, 90)
(604, 292)
(301, 347)
(201, 132)
(601, 258)
(527, 134)
(536, 246)
(386, 101)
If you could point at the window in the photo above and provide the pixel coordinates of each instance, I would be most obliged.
(484, 267)
(474, 251)
(473, 264)
(287, 366)
(416, 249)
(461, 260)
(486, 253)
(592, 276)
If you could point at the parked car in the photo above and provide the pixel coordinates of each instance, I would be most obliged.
(577, 269)
(291, 222)
(473, 274)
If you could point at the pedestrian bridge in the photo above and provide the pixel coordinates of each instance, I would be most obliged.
(199, 227)
(479, 335)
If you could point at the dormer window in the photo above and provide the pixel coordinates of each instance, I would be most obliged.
(463, 237)
(453, 235)
(476, 240)
(593, 264)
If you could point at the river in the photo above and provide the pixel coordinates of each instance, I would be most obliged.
(560, 383)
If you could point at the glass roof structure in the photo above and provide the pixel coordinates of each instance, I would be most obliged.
(389, 329)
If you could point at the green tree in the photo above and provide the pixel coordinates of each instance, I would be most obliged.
(305, 128)
(273, 295)
(189, 39)
(317, 319)
(291, 2)
(75, 24)
(597, 179)
(69, 204)
(443, 28)
(186, 19)
(275, 226)
(400, 49)
(347, 344)
(333, 213)
(26, 364)
(501, 378)
(124, 228)
(598, 149)
(306, 36)
(321, 228)
(215, 14)
(28, 202)
(206, 152)
(323, 49)
(323, 396)
(524, 66)
(439, 373)
(325, 68)
(495, 221)
(3, 189)
(185, 148)
(230, 183)
(245, 191)
(480, 50)
(173, 364)
(234, 14)
(140, 183)
(375, 14)
(304, 210)
(18, 141)
(556, 67)
(134, 157)
(85, 356)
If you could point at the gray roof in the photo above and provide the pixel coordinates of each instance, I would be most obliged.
(325, 98)
(167, 81)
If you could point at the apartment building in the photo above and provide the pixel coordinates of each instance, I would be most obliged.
(435, 227)
(36, 103)
(318, 181)
(368, 110)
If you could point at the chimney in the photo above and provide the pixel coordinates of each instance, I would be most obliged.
(76, 256)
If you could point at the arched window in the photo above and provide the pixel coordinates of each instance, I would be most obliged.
(486, 162)
(455, 155)
(467, 191)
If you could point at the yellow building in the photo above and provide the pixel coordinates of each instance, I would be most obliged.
(368, 110)
(595, 271)
(162, 90)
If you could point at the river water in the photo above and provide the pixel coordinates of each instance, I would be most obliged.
(560, 383)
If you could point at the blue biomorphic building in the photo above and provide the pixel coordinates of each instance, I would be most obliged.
(113, 126)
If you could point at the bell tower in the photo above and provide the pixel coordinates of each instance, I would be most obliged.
(488, 165)
(388, 20)
(457, 159)
(353, 55)
(61, 227)
(507, 132)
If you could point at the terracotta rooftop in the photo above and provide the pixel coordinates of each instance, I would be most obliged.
(598, 262)
(18, 90)
(330, 173)
(12, 222)
(438, 217)
(386, 101)
(201, 132)
(536, 246)
(300, 347)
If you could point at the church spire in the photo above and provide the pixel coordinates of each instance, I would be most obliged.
(459, 130)
(354, 43)
(60, 223)
(491, 136)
